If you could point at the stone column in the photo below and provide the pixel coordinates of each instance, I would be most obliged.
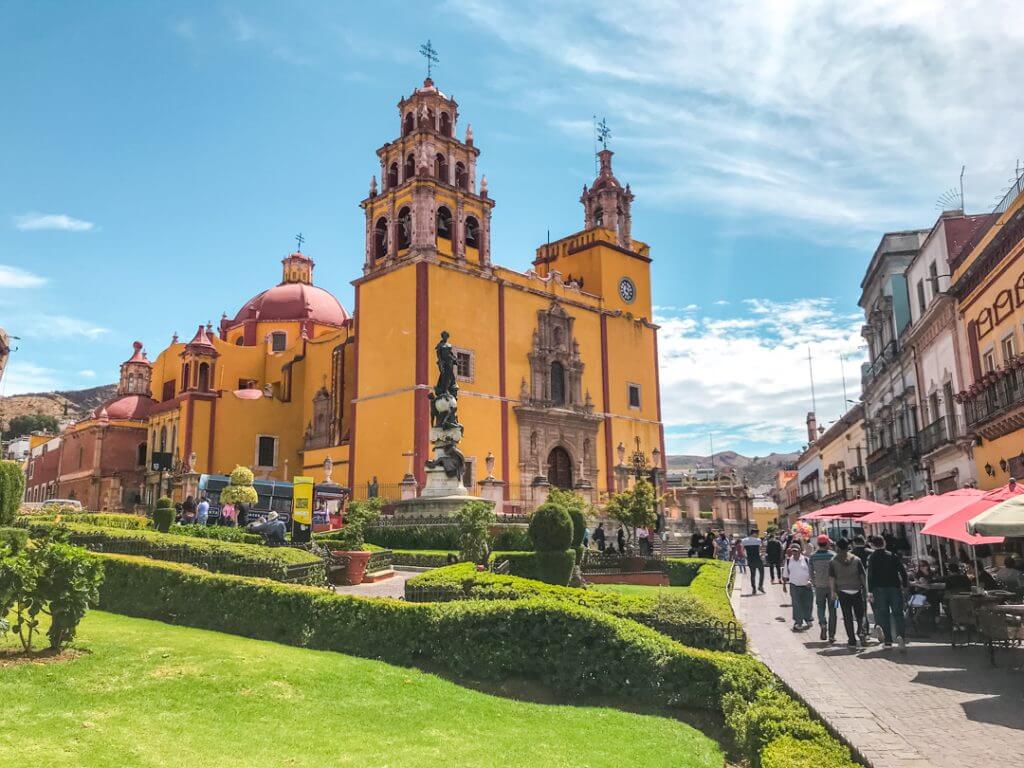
(485, 238)
(493, 489)
(539, 491)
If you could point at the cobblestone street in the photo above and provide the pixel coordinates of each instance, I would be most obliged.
(934, 707)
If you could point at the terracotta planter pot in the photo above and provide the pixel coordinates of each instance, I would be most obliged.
(354, 571)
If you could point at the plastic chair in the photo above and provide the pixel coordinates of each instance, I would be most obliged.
(1000, 630)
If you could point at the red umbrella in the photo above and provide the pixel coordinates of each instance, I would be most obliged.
(853, 509)
(951, 516)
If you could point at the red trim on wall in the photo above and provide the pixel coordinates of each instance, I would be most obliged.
(189, 412)
(608, 460)
(501, 389)
(209, 445)
(355, 394)
(657, 389)
(421, 405)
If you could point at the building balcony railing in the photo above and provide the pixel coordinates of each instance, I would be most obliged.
(843, 494)
(943, 431)
(856, 475)
(884, 357)
(997, 393)
(888, 458)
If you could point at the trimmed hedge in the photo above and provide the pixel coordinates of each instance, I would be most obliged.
(679, 615)
(103, 519)
(14, 538)
(707, 581)
(218, 556)
(421, 558)
(437, 537)
(573, 650)
(218, 532)
(549, 567)
(12, 488)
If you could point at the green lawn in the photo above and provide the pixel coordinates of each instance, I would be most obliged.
(640, 589)
(151, 694)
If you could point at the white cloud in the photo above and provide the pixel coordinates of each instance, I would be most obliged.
(87, 373)
(31, 222)
(746, 379)
(45, 326)
(16, 277)
(22, 376)
(847, 119)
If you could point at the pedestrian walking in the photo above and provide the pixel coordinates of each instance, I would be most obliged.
(887, 578)
(228, 515)
(696, 539)
(188, 510)
(820, 560)
(739, 555)
(599, 537)
(849, 581)
(643, 537)
(620, 537)
(773, 556)
(797, 573)
(202, 511)
(752, 546)
(707, 547)
(723, 549)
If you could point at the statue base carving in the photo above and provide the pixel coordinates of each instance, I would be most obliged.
(433, 506)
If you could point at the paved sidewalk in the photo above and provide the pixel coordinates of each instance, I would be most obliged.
(393, 587)
(933, 707)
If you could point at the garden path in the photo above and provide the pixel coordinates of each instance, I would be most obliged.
(393, 587)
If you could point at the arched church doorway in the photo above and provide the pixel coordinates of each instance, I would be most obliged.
(559, 468)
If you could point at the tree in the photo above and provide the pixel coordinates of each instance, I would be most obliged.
(239, 489)
(12, 487)
(28, 423)
(634, 507)
(474, 519)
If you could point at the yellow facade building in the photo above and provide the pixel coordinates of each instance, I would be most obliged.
(557, 366)
(988, 284)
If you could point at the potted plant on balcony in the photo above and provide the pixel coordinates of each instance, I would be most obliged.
(349, 545)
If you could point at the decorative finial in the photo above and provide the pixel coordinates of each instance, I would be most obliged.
(174, 338)
(603, 133)
(427, 51)
(373, 185)
(483, 186)
(469, 134)
(300, 240)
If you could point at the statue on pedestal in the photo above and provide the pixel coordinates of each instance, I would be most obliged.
(444, 419)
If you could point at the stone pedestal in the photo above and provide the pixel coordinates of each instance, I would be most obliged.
(540, 488)
(408, 487)
(492, 489)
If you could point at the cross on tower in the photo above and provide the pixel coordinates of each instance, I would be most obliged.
(603, 133)
(300, 240)
(427, 51)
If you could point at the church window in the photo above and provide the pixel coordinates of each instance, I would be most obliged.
(168, 391)
(409, 124)
(634, 395)
(410, 167)
(186, 379)
(431, 118)
(472, 232)
(464, 364)
(163, 439)
(404, 228)
(441, 168)
(204, 377)
(81, 456)
(278, 341)
(599, 218)
(557, 383)
(240, 341)
(266, 451)
(461, 177)
(380, 239)
(446, 124)
(392, 176)
(247, 384)
(444, 223)
(559, 468)
(140, 458)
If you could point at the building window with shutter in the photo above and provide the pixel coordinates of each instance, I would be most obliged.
(266, 451)
(278, 341)
(634, 395)
(465, 364)
(1008, 349)
(989, 361)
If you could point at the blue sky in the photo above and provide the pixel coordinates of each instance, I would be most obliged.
(157, 158)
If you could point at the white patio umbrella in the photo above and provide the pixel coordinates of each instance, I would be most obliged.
(1004, 519)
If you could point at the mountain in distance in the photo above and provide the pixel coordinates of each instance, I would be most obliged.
(66, 406)
(758, 470)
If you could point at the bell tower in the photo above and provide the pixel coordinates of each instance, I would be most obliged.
(606, 203)
(135, 373)
(428, 202)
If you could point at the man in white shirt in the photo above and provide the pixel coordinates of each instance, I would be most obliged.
(752, 546)
(797, 573)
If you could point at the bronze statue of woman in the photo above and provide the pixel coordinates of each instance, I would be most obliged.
(446, 367)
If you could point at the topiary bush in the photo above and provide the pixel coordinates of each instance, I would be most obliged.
(12, 488)
(163, 514)
(239, 489)
(550, 528)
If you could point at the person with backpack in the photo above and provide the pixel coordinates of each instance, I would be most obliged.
(848, 579)
(887, 579)
(820, 560)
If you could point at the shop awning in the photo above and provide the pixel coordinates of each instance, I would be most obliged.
(853, 509)
(951, 523)
(924, 508)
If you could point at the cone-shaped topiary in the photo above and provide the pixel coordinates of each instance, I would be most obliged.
(550, 528)
(163, 514)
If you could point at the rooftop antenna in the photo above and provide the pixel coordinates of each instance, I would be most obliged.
(810, 367)
(962, 169)
(842, 369)
(427, 52)
(594, 119)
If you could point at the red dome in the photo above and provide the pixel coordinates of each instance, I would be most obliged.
(293, 301)
(125, 407)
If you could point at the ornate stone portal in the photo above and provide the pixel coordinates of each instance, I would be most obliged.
(443, 492)
(557, 423)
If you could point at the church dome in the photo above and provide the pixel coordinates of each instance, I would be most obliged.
(124, 407)
(293, 301)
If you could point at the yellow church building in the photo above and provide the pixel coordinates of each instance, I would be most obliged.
(557, 366)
